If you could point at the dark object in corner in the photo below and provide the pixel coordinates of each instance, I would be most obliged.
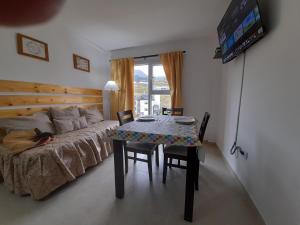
(218, 53)
(42, 136)
(29, 12)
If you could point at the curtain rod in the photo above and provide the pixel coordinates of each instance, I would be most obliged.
(148, 56)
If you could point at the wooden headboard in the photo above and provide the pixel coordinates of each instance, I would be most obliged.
(19, 98)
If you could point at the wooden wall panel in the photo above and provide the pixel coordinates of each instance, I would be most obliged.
(9, 113)
(46, 94)
(20, 86)
(17, 100)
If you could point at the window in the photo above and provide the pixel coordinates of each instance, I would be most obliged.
(151, 89)
(159, 80)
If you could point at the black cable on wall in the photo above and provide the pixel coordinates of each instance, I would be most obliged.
(235, 148)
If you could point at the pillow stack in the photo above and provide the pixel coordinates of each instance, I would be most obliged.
(66, 120)
(63, 121)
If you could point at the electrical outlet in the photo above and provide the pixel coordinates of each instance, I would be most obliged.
(244, 154)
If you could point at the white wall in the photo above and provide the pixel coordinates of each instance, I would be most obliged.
(59, 70)
(200, 89)
(270, 123)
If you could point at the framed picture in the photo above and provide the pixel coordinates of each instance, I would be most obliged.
(31, 47)
(81, 63)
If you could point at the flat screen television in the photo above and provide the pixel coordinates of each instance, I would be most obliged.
(240, 28)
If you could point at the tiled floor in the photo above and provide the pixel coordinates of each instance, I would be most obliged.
(91, 199)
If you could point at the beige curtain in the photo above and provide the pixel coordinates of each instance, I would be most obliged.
(173, 66)
(122, 71)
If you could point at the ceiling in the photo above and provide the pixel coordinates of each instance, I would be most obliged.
(116, 24)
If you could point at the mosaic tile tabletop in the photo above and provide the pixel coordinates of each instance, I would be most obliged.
(164, 130)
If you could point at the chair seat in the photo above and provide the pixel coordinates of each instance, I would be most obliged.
(140, 147)
(176, 150)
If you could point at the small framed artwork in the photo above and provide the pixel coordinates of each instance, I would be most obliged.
(31, 47)
(81, 63)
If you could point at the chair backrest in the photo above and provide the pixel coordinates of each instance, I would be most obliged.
(203, 126)
(125, 117)
(172, 111)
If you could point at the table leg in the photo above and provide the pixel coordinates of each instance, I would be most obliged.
(119, 168)
(189, 186)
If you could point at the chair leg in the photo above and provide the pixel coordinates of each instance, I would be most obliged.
(197, 174)
(126, 161)
(135, 155)
(178, 162)
(170, 164)
(150, 167)
(165, 169)
(157, 156)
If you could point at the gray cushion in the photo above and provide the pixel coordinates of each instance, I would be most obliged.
(92, 115)
(38, 120)
(80, 123)
(176, 150)
(140, 147)
(66, 125)
(71, 112)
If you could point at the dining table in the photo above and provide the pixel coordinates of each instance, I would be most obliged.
(161, 130)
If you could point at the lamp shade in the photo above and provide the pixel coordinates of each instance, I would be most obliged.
(111, 86)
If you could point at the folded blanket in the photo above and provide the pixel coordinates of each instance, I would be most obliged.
(22, 140)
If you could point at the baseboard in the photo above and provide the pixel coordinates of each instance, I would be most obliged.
(227, 164)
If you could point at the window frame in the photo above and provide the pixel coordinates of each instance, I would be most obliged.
(151, 63)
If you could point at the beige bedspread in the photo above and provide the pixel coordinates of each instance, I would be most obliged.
(41, 170)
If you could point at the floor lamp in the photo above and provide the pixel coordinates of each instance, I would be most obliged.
(112, 86)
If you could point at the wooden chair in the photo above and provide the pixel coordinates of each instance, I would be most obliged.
(180, 153)
(137, 148)
(172, 111)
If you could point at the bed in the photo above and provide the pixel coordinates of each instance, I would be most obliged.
(39, 171)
